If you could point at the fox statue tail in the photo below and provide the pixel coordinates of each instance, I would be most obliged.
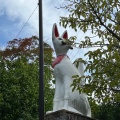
(79, 65)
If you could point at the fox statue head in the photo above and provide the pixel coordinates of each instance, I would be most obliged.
(61, 43)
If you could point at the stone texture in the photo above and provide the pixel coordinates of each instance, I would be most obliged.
(65, 115)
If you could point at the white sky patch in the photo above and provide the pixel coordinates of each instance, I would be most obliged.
(2, 47)
(21, 10)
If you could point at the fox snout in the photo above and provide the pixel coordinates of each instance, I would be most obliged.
(68, 43)
(63, 43)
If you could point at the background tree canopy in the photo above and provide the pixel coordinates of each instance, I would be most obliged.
(109, 111)
(102, 19)
(19, 79)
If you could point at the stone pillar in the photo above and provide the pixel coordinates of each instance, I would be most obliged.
(65, 115)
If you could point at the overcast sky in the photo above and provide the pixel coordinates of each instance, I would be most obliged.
(15, 13)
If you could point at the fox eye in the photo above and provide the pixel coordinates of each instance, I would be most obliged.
(60, 38)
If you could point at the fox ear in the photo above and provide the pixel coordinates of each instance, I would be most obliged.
(55, 32)
(65, 35)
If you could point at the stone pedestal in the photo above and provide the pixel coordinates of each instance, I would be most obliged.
(65, 115)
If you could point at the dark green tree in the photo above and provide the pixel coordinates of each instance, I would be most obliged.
(109, 111)
(19, 79)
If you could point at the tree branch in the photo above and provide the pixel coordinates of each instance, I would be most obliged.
(100, 87)
(116, 36)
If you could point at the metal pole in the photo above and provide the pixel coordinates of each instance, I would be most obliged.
(41, 64)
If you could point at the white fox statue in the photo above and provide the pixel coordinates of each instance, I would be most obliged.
(64, 69)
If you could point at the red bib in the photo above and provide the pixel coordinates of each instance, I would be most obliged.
(57, 60)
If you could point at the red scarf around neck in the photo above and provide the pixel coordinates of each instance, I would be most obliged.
(58, 60)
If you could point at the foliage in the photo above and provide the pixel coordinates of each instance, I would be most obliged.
(19, 79)
(109, 111)
(19, 90)
(102, 19)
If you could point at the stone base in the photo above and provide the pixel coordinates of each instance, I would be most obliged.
(65, 115)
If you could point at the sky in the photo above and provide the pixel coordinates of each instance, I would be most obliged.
(15, 13)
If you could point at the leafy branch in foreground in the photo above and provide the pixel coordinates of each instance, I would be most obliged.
(102, 19)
